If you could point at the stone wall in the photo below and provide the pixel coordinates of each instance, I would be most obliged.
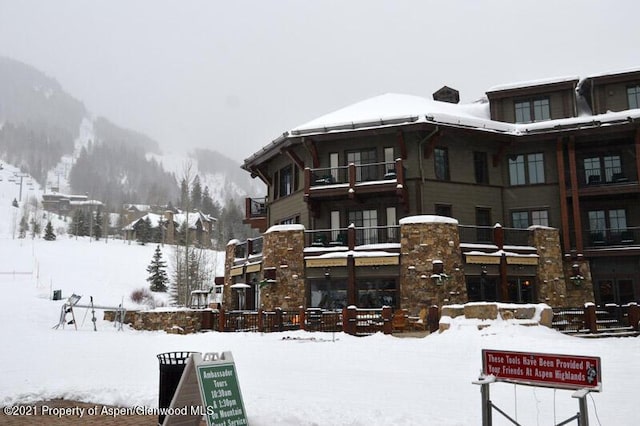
(182, 321)
(472, 314)
(421, 244)
(283, 249)
(551, 276)
(578, 293)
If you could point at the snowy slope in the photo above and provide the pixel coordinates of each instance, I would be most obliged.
(308, 379)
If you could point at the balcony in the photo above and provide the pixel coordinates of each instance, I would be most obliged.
(609, 183)
(611, 237)
(256, 213)
(360, 236)
(470, 234)
(355, 181)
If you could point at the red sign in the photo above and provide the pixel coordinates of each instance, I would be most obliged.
(551, 370)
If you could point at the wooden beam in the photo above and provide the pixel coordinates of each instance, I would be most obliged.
(255, 171)
(564, 208)
(294, 157)
(638, 154)
(402, 145)
(428, 149)
(575, 200)
(498, 156)
(310, 144)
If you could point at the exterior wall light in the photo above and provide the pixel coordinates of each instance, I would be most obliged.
(438, 276)
(576, 278)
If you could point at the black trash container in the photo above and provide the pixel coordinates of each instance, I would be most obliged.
(171, 367)
(57, 294)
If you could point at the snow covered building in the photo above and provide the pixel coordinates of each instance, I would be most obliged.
(66, 204)
(165, 227)
(354, 199)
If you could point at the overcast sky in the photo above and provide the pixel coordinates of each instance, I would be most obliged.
(233, 75)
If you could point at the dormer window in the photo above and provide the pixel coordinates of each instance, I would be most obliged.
(530, 110)
(633, 95)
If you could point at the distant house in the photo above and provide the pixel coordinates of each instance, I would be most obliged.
(65, 205)
(165, 227)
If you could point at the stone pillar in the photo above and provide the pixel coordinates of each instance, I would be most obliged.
(552, 288)
(426, 241)
(579, 291)
(283, 249)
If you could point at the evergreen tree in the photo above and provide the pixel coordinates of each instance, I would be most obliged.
(184, 194)
(24, 227)
(78, 226)
(143, 231)
(35, 227)
(196, 194)
(48, 232)
(209, 206)
(158, 276)
(97, 225)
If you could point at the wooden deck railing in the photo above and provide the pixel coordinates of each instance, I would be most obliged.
(593, 320)
(351, 320)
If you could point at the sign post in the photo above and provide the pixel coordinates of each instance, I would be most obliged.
(572, 372)
(221, 397)
(208, 387)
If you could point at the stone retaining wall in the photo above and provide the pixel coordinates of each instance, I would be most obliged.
(474, 313)
(183, 321)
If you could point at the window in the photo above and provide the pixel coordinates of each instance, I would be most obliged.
(368, 221)
(333, 163)
(609, 226)
(523, 172)
(290, 220)
(535, 162)
(441, 162)
(633, 96)
(392, 220)
(520, 219)
(526, 218)
(605, 169)
(335, 225)
(516, 170)
(540, 217)
(618, 220)
(444, 210)
(363, 157)
(284, 182)
(481, 167)
(483, 222)
(531, 110)
(597, 225)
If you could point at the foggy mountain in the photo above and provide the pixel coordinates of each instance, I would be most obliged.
(49, 134)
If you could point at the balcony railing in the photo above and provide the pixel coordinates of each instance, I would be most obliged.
(487, 235)
(256, 207)
(611, 237)
(361, 173)
(250, 247)
(362, 236)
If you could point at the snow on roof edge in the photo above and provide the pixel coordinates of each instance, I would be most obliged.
(427, 218)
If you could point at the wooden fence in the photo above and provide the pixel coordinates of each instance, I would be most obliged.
(351, 320)
(598, 320)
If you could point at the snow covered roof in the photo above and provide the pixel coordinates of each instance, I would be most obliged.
(388, 109)
(393, 110)
(533, 83)
(154, 219)
(613, 73)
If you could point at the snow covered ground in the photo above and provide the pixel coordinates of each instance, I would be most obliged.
(309, 380)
